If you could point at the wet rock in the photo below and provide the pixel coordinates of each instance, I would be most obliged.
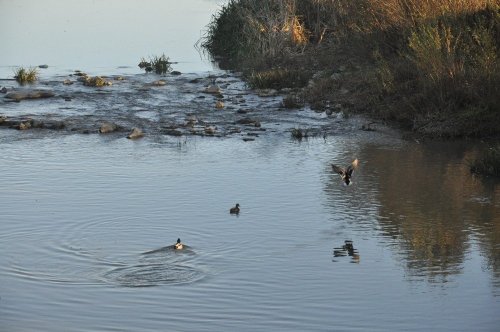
(79, 73)
(267, 93)
(157, 83)
(219, 104)
(119, 78)
(67, 82)
(212, 89)
(249, 122)
(172, 132)
(248, 139)
(240, 111)
(96, 81)
(175, 72)
(136, 133)
(195, 80)
(43, 66)
(210, 130)
(3, 90)
(25, 125)
(107, 127)
(22, 95)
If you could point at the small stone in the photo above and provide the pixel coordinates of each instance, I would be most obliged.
(212, 89)
(107, 128)
(175, 72)
(3, 90)
(210, 130)
(67, 82)
(136, 133)
(219, 104)
(43, 66)
(158, 83)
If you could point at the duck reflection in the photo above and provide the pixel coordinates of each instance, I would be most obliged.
(347, 250)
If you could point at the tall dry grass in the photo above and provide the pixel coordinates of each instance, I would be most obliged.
(433, 59)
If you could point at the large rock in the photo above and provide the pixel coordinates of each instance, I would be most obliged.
(136, 133)
(22, 95)
(107, 127)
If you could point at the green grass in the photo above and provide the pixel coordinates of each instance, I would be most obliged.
(159, 64)
(23, 75)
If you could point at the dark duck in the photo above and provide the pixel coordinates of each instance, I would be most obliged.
(346, 173)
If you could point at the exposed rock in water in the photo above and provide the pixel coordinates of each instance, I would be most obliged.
(107, 127)
(3, 90)
(156, 83)
(21, 95)
(219, 104)
(67, 82)
(249, 122)
(212, 89)
(43, 66)
(136, 133)
(96, 81)
(175, 72)
(172, 132)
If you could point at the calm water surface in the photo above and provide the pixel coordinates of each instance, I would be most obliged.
(87, 220)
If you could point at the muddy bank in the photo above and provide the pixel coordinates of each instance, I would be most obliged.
(207, 104)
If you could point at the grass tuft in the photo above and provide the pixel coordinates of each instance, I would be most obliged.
(23, 75)
(159, 64)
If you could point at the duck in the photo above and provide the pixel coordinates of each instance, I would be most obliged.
(346, 173)
(178, 245)
(235, 209)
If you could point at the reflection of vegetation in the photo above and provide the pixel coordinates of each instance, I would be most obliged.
(432, 212)
(23, 75)
(488, 163)
(158, 64)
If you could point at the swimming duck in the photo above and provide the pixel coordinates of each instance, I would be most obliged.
(346, 173)
(179, 245)
(235, 210)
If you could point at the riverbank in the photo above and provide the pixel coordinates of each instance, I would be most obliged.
(431, 68)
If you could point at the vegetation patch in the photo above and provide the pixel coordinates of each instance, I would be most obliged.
(431, 66)
(159, 64)
(488, 163)
(26, 75)
(278, 78)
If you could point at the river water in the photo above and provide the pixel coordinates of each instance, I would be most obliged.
(88, 219)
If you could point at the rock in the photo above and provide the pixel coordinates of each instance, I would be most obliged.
(25, 125)
(249, 122)
(96, 81)
(248, 139)
(67, 82)
(210, 130)
(173, 132)
(195, 80)
(107, 127)
(79, 73)
(267, 93)
(157, 83)
(212, 89)
(3, 90)
(136, 133)
(36, 94)
(219, 104)
(43, 66)
(175, 72)
(119, 78)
